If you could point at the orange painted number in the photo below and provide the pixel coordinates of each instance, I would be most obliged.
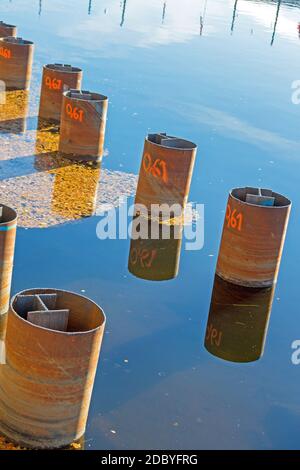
(6, 53)
(213, 335)
(74, 112)
(157, 168)
(234, 219)
(53, 83)
(142, 256)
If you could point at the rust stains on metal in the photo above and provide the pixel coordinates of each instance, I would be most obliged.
(57, 78)
(166, 171)
(83, 123)
(253, 237)
(157, 257)
(16, 56)
(47, 382)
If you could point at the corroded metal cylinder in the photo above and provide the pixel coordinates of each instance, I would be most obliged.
(57, 78)
(253, 237)
(7, 30)
(14, 112)
(8, 228)
(83, 123)
(156, 256)
(166, 171)
(16, 57)
(238, 321)
(53, 341)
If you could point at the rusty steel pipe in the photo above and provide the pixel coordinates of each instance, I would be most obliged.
(57, 78)
(8, 228)
(166, 171)
(47, 381)
(14, 112)
(156, 258)
(253, 236)
(238, 321)
(83, 123)
(16, 57)
(7, 30)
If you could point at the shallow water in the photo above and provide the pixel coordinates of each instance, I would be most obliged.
(216, 72)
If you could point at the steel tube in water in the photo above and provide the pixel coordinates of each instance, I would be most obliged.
(83, 123)
(166, 171)
(16, 57)
(156, 257)
(47, 381)
(57, 78)
(253, 237)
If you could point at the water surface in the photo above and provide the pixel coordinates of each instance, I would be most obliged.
(216, 72)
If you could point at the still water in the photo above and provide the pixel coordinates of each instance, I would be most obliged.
(216, 72)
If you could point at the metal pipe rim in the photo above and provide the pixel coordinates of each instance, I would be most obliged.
(80, 96)
(10, 216)
(287, 202)
(62, 68)
(187, 148)
(6, 25)
(16, 41)
(41, 290)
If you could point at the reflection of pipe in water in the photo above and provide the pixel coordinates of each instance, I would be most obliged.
(123, 13)
(75, 185)
(40, 7)
(90, 7)
(75, 190)
(53, 340)
(14, 112)
(276, 21)
(234, 15)
(156, 257)
(47, 140)
(238, 321)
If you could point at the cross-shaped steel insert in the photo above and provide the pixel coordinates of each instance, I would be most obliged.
(40, 309)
